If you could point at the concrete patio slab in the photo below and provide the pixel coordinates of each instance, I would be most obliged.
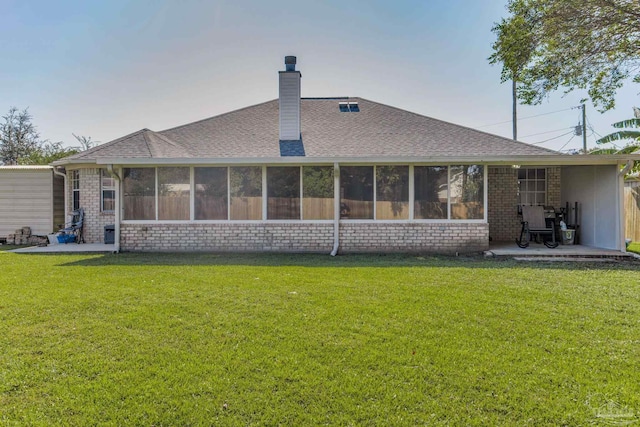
(510, 249)
(68, 248)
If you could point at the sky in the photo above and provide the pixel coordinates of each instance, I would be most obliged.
(104, 69)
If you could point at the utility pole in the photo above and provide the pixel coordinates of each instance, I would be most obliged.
(514, 117)
(584, 129)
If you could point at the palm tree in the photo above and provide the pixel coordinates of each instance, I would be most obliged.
(630, 131)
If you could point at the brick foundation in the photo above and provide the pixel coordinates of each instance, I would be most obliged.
(306, 237)
(414, 237)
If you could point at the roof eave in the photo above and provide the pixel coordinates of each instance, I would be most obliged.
(64, 162)
(550, 160)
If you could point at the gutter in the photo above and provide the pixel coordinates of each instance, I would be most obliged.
(336, 209)
(116, 237)
(64, 176)
(546, 160)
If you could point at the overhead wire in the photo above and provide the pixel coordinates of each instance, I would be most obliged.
(599, 135)
(542, 133)
(524, 118)
(550, 139)
(567, 143)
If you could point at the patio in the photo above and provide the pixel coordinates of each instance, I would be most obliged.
(68, 248)
(496, 249)
(538, 250)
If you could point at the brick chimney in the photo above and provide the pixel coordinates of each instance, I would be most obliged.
(289, 96)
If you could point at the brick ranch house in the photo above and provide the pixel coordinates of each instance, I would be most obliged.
(331, 175)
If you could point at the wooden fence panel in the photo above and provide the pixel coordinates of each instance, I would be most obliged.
(246, 208)
(317, 208)
(632, 213)
(392, 210)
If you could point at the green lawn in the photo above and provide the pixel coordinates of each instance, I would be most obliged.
(634, 247)
(177, 340)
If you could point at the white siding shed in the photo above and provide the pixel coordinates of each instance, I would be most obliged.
(30, 196)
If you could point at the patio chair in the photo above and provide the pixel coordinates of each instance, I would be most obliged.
(75, 226)
(534, 222)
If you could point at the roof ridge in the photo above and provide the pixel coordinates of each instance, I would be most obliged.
(219, 115)
(505, 139)
(103, 146)
(326, 98)
(146, 142)
(162, 138)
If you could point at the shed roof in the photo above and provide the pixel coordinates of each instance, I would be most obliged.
(24, 167)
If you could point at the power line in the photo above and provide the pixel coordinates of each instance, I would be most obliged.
(550, 139)
(600, 136)
(542, 133)
(524, 118)
(567, 143)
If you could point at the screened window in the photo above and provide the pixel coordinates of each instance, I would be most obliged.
(532, 186)
(107, 191)
(431, 192)
(174, 191)
(317, 192)
(467, 192)
(139, 193)
(356, 192)
(246, 193)
(211, 201)
(283, 193)
(392, 192)
(75, 189)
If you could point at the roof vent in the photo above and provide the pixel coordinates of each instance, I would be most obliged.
(346, 107)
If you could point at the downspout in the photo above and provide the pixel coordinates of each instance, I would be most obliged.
(64, 177)
(336, 209)
(116, 231)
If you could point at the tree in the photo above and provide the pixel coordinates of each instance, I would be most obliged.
(20, 142)
(579, 44)
(629, 132)
(625, 134)
(514, 45)
(47, 153)
(85, 142)
(18, 136)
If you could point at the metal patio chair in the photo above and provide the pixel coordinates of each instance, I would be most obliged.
(75, 225)
(534, 222)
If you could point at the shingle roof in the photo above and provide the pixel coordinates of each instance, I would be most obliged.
(377, 130)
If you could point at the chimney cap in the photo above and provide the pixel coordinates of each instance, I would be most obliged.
(290, 63)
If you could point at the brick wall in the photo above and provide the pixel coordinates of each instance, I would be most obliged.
(94, 218)
(504, 223)
(414, 237)
(553, 187)
(232, 237)
(502, 212)
(305, 237)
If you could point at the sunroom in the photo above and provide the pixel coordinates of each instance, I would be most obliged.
(303, 193)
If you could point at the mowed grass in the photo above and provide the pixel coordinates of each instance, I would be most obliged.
(167, 340)
(634, 247)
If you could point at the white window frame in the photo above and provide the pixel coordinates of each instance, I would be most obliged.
(75, 189)
(535, 192)
(105, 174)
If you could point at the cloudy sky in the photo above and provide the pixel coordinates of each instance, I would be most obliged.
(107, 68)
